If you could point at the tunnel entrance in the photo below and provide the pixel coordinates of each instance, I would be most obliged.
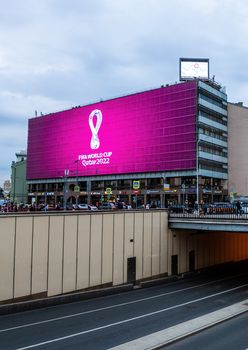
(196, 250)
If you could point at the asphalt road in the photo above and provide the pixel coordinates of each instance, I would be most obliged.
(106, 322)
(229, 335)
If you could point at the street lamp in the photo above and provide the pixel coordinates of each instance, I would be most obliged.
(197, 174)
(66, 173)
(76, 161)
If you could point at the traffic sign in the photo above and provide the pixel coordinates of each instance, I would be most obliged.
(109, 190)
(76, 189)
(136, 184)
(166, 187)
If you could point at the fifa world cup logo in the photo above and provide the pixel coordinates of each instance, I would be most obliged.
(95, 142)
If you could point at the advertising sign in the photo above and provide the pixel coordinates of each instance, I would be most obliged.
(150, 131)
(191, 68)
(166, 187)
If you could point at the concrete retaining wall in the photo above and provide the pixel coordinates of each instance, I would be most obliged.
(59, 253)
(53, 254)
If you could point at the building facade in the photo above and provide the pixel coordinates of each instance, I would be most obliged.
(238, 163)
(18, 193)
(167, 145)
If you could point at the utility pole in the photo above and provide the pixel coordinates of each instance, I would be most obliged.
(197, 175)
(76, 161)
(66, 173)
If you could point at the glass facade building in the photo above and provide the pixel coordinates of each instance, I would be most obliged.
(212, 138)
(172, 141)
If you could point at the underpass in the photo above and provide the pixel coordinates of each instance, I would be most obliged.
(204, 241)
(52, 254)
(123, 321)
(209, 266)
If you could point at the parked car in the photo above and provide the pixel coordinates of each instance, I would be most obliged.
(2, 201)
(69, 206)
(92, 207)
(244, 208)
(83, 206)
(107, 206)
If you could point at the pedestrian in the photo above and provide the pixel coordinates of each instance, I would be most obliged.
(238, 206)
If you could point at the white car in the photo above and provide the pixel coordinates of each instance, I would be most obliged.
(83, 206)
(244, 208)
(92, 207)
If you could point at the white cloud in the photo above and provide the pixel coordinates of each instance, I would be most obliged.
(24, 106)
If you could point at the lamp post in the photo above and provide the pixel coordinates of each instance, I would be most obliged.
(197, 175)
(183, 191)
(76, 161)
(66, 173)
(14, 181)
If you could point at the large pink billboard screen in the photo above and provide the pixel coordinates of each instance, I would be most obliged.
(145, 132)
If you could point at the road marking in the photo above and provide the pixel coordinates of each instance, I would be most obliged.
(111, 307)
(175, 333)
(130, 319)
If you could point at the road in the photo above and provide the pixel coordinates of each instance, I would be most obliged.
(229, 335)
(106, 322)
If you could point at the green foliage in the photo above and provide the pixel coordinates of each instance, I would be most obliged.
(1, 193)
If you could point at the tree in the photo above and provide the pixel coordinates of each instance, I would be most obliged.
(1, 193)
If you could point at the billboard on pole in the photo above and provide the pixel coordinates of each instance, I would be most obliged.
(191, 68)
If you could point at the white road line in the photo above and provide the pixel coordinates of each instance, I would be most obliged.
(109, 307)
(181, 330)
(129, 319)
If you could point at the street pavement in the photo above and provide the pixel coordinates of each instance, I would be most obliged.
(110, 321)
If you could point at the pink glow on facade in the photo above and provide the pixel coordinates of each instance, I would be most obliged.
(145, 132)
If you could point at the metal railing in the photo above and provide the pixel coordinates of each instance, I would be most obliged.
(229, 212)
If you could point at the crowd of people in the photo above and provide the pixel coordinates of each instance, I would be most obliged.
(203, 208)
(12, 207)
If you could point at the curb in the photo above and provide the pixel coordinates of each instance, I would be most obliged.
(200, 329)
(158, 281)
(161, 339)
(78, 296)
(62, 299)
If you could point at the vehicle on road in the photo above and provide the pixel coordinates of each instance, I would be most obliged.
(244, 208)
(92, 207)
(107, 206)
(83, 206)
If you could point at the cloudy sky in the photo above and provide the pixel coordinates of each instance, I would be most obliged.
(55, 54)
